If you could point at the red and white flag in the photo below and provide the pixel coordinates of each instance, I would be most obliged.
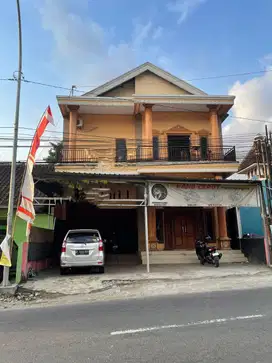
(26, 209)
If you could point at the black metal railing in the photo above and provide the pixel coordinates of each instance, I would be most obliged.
(176, 154)
(77, 155)
(164, 153)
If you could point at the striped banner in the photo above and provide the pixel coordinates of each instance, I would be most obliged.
(26, 209)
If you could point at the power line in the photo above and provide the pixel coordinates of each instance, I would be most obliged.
(251, 119)
(41, 84)
(207, 78)
(50, 85)
(97, 85)
(60, 134)
(230, 75)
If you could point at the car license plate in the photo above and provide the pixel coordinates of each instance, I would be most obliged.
(82, 252)
(215, 254)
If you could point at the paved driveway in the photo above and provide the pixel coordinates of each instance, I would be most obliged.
(126, 277)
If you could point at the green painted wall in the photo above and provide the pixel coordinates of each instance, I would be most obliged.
(41, 220)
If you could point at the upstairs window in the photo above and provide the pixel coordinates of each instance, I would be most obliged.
(204, 147)
(155, 148)
(121, 150)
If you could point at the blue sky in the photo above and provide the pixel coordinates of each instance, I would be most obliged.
(87, 42)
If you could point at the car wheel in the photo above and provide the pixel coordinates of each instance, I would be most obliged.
(63, 271)
(101, 269)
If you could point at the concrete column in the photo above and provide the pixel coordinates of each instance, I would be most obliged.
(216, 227)
(215, 127)
(223, 232)
(147, 132)
(216, 135)
(73, 117)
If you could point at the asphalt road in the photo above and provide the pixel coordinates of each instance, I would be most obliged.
(232, 326)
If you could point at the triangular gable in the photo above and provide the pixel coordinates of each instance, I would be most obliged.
(140, 70)
(249, 160)
(178, 129)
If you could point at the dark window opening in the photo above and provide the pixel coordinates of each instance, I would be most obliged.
(160, 225)
(121, 150)
(209, 230)
(155, 148)
(179, 148)
(204, 147)
(3, 229)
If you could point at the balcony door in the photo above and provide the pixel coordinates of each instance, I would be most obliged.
(179, 148)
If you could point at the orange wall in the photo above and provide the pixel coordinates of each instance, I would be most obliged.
(123, 126)
(150, 84)
(114, 126)
(146, 84)
(193, 121)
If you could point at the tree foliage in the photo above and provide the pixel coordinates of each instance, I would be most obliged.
(55, 152)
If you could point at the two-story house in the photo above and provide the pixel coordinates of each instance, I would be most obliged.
(148, 124)
(249, 218)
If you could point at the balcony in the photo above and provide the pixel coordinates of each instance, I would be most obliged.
(140, 154)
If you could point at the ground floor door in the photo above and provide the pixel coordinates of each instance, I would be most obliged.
(184, 233)
(182, 226)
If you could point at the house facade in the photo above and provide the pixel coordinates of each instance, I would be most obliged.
(249, 218)
(145, 124)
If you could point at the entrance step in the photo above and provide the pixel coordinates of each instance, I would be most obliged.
(189, 257)
(120, 259)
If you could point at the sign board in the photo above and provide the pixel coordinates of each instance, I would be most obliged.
(202, 195)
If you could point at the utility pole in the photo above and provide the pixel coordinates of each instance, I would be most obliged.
(15, 144)
(263, 157)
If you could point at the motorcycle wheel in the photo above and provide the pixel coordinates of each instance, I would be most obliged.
(216, 262)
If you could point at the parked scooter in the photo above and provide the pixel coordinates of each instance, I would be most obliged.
(207, 254)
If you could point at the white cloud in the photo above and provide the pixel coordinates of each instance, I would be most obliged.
(184, 8)
(157, 32)
(165, 62)
(85, 52)
(253, 100)
(140, 33)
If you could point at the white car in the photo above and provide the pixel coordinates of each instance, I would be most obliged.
(82, 248)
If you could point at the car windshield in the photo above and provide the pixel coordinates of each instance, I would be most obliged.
(85, 237)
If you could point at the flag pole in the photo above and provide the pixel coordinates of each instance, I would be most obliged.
(21, 186)
(20, 194)
(15, 145)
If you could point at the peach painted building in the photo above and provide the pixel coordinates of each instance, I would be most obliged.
(149, 123)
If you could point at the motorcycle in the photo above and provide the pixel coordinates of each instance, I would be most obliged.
(207, 254)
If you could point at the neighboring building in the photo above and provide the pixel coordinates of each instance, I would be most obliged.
(249, 218)
(43, 220)
(148, 125)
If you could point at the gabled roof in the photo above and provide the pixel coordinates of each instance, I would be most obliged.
(5, 167)
(249, 160)
(139, 70)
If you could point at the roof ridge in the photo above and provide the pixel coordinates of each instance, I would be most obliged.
(147, 66)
